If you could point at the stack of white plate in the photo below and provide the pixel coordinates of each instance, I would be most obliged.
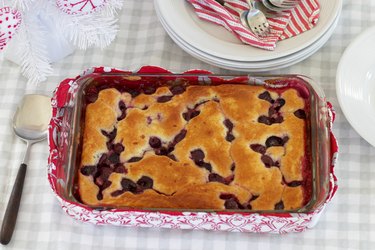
(217, 46)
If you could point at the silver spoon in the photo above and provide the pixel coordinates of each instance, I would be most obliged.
(267, 12)
(30, 123)
(270, 6)
(285, 6)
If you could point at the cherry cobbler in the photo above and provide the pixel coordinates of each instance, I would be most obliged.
(228, 146)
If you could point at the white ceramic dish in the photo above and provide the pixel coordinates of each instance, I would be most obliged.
(218, 42)
(355, 84)
(259, 66)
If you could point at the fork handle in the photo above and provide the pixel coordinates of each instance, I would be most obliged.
(10, 216)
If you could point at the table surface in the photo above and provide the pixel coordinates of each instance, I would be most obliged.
(347, 223)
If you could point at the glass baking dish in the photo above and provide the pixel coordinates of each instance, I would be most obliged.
(318, 136)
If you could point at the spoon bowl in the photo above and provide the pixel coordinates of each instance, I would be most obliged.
(30, 123)
(267, 12)
(29, 134)
(282, 7)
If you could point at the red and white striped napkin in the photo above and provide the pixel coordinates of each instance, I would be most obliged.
(290, 23)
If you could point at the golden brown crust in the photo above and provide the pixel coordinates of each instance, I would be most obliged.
(206, 147)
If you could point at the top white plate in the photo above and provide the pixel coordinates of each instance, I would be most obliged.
(217, 41)
(355, 84)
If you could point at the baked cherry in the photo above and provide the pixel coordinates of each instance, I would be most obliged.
(228, 124)
(172, 157)
(149, 120)
(254, 197)
(120, 169)
(226, 196)
(300, 113)
(229, 137)
(277, 119)
(88, 170)
(103, 159)
(162, 151)
(145, 182)
(164, 98)
(265, 120)
(114, 158)
(118, 148)
(213, 177)
(111, 135)
(278, 104)
(128, 185)
(274, 141)
(180, 136)
(197, 155)
(258, 148)
(102, 175)
(272, 112)
(106, 184)
(121, 105)
(99, 196)
(294, 183)
(135, 159)
(154, 142)
(266, 96)
(122, 116)
(177, 89)
(274, 115)
(231, 204)
(267, 160)
(279, 205)
(231, 201)
(203, 164)
(190, 114)
(117, 193)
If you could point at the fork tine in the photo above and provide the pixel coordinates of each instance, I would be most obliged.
(263, 29)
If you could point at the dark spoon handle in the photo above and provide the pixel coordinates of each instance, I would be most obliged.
(11, 212)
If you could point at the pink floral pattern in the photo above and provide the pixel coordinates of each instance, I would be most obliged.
(83, 7)
(217, 221)
(10, 21)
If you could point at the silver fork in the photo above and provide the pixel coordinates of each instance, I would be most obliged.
(252, 18)
(257, 20)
